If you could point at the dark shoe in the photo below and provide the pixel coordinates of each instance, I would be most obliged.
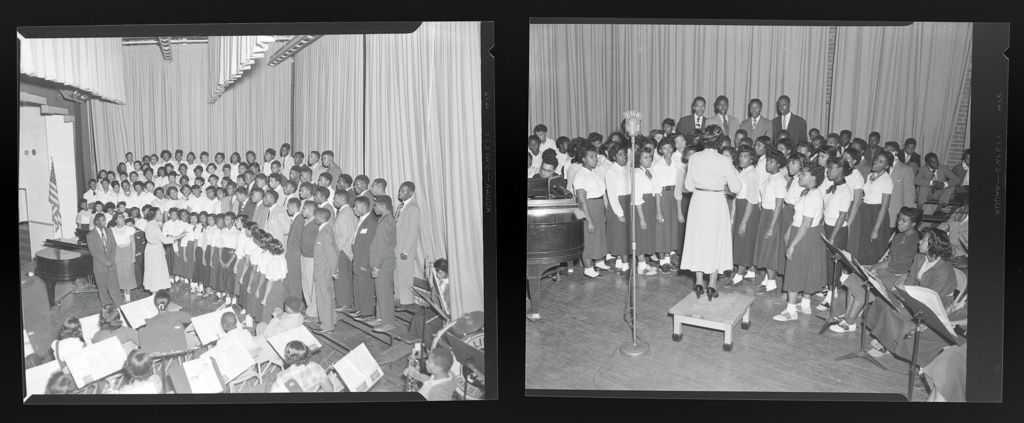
(385, 328)
(374, 322)
(665, 268)
(699, 289)
(712, 293)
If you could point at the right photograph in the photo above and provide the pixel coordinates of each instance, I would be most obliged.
(749, 208)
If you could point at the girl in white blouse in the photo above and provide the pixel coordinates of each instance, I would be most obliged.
(646, 193)
(617, 188)
(874, 221)
(229, 242)
(805, 267)
(262, 263)
(856, 181)
(769, 229)
(124, 257)
(188, 249)
(246, 245)
(276, 271)
(794, 164)
(259, 238)
(202, 268)
(747, 212)
(668, 175)
(216, 243)
(589, 189)
(837, 197)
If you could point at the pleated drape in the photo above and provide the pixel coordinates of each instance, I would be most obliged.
(582, 77)
(904, 82)
(423, 125)
(329, 100)
(92, 65)
(231, 56)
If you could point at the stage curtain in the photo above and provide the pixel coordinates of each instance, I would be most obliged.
(904, 82)
(423, 119)
(92, 65)
(167, 107)
(582, 77)
(230, 56)
(329, 100)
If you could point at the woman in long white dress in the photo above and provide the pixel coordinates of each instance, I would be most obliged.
(708, 244)
(156, 277)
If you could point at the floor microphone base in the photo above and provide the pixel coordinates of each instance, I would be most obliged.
(634, 349)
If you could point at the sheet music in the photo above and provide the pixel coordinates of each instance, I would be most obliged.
(136, 312)
(931, 299)
(90, 325)
(232, 358)
(300, 333)
(37, 377)
(358, 369)
(96, 361)
(202, 378)
(207, 326)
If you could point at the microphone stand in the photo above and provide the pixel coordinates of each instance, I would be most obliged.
(635, 347)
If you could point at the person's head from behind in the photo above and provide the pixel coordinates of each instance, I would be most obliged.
(60, 383)
(908, 219)
(295, 354)
(110, 318)
(71, 328)
(228, 322)
(439, 362)
(161, 299)
(441, 266)
(138, 366)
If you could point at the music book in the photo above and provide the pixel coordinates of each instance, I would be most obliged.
(873, 280)
(96, 361)
(136, 312)
(37, 377)
(359, 370)
(430, 299)
(202, 378)
(207, 326)
(300, 333)
(90, 326)
(232, 358)
(28, 344)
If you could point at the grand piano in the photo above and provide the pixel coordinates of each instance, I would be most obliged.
(64, 260)
(554, 231)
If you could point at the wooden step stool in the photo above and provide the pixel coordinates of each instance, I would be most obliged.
(721, 313)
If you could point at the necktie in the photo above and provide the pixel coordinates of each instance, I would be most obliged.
(785, 122)
(399, 211)
(698, 122)
(725, 123)
(935, 175)
(754, 123)
(103, 239)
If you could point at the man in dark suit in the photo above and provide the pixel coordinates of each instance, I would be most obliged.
(261, 212)
(694, 120)
(344, 231)
(935, 182)
(362, 188)
(407, 224)
(795, 125)
(363, 289)
(102, 247)
(756, 125)
(325, 263)
(293, 282)
(722, 118)
(963, 171)
(908, 156)
(382, 264)
(874, 145)
(307, 266)
(249, 207)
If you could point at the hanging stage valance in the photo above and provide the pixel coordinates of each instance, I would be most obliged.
(93, 65)
(230, 56)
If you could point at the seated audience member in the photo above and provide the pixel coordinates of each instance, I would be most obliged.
(932, 270)
(908, 156)
(234, 332)
(310, 377)
(935, 182)
(284, 320)
(69, 339)
(963, 171)
(426, 322)
(111, 325)
(440, 383)
(60, 383)
(176, 318)
(956, 227)
(139, 375)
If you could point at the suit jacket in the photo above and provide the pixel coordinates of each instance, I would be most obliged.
(325, 254)
(942, 174)
(278, 223)
(797, 128)
(248, 208)
(352, 197)
(260, 215)
(764, 127)
(960, 173)
(382, 248)
(686, 124)
(408, 229)
(903, 192)
(291, 248)
(730, 130)
(101, 257)
(365, 234)
(914, 158)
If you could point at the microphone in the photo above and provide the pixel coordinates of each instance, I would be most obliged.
(632, 124)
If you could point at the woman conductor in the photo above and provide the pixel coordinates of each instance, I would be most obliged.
(156, 277)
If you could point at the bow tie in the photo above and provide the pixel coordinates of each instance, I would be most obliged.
(832, 188)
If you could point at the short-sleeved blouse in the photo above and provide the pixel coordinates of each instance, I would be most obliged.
(772, 188)
(809, 205)
(873, 190)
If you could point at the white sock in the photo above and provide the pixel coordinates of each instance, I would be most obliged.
(750, 273)
(828, 297)
(664, 261)
(790, 308)
(805, 303)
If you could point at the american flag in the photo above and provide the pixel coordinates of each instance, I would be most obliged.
(54, 202)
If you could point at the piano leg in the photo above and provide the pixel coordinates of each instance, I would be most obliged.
(51, 287)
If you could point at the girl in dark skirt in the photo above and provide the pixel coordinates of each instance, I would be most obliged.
(795, 162)
(249, 293)
(229, 240)
(260, 289)
(646, 188)
(589, 189)
(856, 181)
(617, 189)
(805, 270)
(838, 197)
(874, 228)
(247, 247)
(199, 273)
(769, 229)
(216, 244)
(681, 194)
(747, 214)
(668, 175)
(140, 249)
(180, 254)
(242, 246)
(188, 250)
(276, 271)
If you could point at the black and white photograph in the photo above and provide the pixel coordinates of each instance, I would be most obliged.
(264, 208)
(770, 208)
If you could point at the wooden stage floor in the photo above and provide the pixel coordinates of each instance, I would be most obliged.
(576, 346)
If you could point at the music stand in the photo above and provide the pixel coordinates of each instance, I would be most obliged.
(870, 281)
(837, 256)
(467, 355)
(921, 313)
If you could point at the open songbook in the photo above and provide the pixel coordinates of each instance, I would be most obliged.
(202, 377)
(207, 326)
(232, 358)
(136, 312)
(37, 377)
(96, 361)
(359, 370)
(90, 325)
(300, 333)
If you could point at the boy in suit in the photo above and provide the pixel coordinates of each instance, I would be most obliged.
(363, 289)
(102, 247)
(325, 263)
(344, 231)
(346, 181)
(322, 197)
(261, 212)
(407, 223)
(382, 264)
(293, 282)
(722, 117)
(362, 186)
(307, 245)
(755, 125)
(694, 120)
(274, 184)
(788, 121)
(331, 168)
(278, 220)
(902, 185)
(908, 156)
(935, 182)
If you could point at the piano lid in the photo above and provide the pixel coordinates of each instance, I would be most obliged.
(67, 244)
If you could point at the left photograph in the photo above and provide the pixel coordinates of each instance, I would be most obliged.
(253, 212)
